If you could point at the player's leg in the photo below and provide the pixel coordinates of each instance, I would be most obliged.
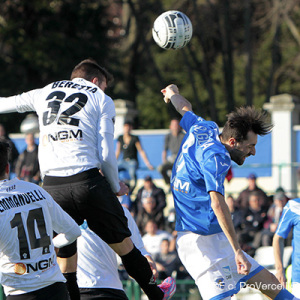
(105, 216)
(138, 267)
(67, 261)
(268, 284)
(68, 266)
(59, 189)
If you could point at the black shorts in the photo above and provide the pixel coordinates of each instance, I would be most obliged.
(88, 196)
(103, 294)
(56, 291)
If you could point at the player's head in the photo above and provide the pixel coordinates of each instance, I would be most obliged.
(175, 126)
(90, 70)
(240, 132)
(4, 166)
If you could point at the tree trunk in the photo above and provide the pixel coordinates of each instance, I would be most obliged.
(248, 53)
(225, 29)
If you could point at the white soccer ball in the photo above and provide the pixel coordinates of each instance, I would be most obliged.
(172, 30)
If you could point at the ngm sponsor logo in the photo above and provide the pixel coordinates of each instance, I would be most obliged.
(22, 268)
(181, 186)
(62, 136)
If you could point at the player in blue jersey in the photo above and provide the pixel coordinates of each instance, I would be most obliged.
(207, 243)
(289, 220)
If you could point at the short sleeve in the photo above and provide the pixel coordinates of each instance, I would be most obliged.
(215, 169)
(136, 138)
(286, 222)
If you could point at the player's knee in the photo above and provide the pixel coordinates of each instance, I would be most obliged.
(68, 251)
(124, 247)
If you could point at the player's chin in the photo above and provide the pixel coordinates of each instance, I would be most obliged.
(241, 160)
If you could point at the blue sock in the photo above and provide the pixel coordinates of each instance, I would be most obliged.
(284, 295)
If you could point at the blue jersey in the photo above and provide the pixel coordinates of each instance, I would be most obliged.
(200, 167)
(290, 218)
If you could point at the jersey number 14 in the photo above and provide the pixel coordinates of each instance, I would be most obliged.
(35, 216)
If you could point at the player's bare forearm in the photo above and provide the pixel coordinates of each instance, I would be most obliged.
(278, 245)
(171, 93)
(145, 159)
(223, 215)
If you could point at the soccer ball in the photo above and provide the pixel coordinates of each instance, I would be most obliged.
(172, 30)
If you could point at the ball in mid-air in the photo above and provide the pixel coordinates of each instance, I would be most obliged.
(172, 30)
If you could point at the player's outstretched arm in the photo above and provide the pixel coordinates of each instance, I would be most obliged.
(7, 105)
(278, 246)
(171, 93)
(223, 215)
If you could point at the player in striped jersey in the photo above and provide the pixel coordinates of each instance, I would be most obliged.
(28, 217)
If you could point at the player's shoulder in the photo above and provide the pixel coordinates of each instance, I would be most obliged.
(199, 121)
(214, 148)
(293, 205)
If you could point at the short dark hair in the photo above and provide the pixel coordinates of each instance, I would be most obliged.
(4, 149)
(89, 69)
(243, 120)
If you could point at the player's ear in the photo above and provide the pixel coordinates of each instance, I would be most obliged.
(7, 169)
(232, 142)
(95, 80)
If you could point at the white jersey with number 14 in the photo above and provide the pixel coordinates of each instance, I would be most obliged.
(28, 217)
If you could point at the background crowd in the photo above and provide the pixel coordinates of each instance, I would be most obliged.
(255, 214)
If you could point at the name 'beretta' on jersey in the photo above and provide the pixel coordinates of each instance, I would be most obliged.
(64, 109)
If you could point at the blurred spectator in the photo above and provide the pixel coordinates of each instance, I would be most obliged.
(148, 212)
(27, 166)
(274, 214)
(243, 198)
(153, 238)
(235, 212)
(129, 145)
(125, 201)
(150, 190)
(253, 221)
(170, 222)
(171, 147)
(168, 262)
(278, 191)
(14, 153)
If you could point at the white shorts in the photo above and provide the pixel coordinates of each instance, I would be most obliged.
(296, 289)
(210, 260)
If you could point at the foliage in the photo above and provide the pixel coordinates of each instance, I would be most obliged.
(242, 52)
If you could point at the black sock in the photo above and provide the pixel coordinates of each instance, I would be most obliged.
(72, 285)
(138, 268)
